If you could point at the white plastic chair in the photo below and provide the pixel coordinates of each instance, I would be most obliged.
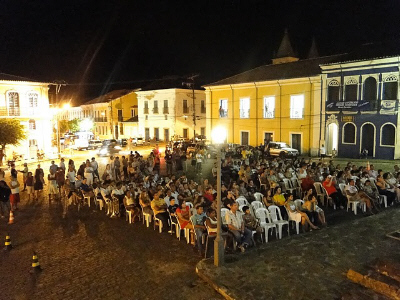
(295, 184)
(261, 184)
(288, 186)
(146, 217)
(242, 201)
(277, 219)
(160, 224)
(258, 196)
(224, 211)
(86, 199)
(262, 215)
(190, 204)
(293, 217)
(353, 203)
(320, 194)
(329, 199)
(298, 203)
(382, 198)
(256, 205)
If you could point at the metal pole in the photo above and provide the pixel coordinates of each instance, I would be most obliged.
(58, 121)
(219, 241)
(194, 112)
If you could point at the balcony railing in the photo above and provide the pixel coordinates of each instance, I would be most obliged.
(21, 111)
(269, 114)
(185, 110)
(203, 109)
(100, 119)
(244, 113)
(146, 110)
(155, 110)
(223, 113)
(165, 110)
(296, 113)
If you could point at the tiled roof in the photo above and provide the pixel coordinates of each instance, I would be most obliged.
(109, 96)
(9, 77)
(298, 69)
(311, 67)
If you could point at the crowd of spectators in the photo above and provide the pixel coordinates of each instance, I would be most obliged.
(251, 181)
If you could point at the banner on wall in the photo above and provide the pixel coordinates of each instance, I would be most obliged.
(348, 105)
(388, 106)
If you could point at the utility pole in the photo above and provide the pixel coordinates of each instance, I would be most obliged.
(191, 84)
(58, 84)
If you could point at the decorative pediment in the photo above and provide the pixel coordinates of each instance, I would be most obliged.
(332, 119)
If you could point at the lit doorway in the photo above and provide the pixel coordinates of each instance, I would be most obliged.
(332, 138)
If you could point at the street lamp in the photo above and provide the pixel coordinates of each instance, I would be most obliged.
(66, 106)
(218, 136)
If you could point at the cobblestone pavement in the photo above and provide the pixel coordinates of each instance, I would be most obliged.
(90, 256)
(311, 265)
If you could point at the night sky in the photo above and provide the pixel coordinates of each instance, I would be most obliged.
(100, 45)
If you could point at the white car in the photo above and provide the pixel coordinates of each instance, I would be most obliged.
(281, 149)
(139, 141)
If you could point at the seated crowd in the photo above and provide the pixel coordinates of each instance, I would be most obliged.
(250, 187)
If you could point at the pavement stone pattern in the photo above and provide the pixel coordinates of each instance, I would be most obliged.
(308, 266)
(90, 256)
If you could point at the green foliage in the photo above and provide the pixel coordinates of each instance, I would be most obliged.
(11, 132)
(71, 126)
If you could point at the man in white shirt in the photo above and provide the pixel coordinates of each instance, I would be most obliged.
(373, 172)
(235, 223)
(95, 167)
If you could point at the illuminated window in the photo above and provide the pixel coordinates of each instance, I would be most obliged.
(146, 107)
(32, 125)
(155, 108)
(296, 106)
(269, 107)
(13, 104)
(245, 108)
(33, 99)
(185, 107)
(223, 108)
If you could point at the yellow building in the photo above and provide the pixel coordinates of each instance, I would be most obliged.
(277, 102)
(114, 114)
(28, 102)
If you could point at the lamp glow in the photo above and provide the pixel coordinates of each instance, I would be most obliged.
(86, 125)
(218, 135)
(66, 106)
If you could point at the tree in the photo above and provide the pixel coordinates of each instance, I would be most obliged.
(71, 125)
(11, 133)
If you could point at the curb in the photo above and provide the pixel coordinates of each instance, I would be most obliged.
(223, 291)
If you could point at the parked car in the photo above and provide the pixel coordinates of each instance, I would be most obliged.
(95, 144)
(281, 149)
(139, 141)
(110, 142)
(123, 142)
(107, 150)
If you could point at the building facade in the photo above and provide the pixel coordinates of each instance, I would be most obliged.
(28, 102)
(362, 107)
(168, 113)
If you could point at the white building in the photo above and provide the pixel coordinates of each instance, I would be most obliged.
(28, 102)
(165, 113)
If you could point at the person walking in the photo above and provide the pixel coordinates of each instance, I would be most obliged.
(88, 173)
(5, 192)
(38, 181)
(14, 197)
(25, 175)
(95, 167)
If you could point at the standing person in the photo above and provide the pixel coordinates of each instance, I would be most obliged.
(25, 175)
(53, 189)
(29, 186)
(71, 163)
(125, 166)
(14, 197)
(62, 165)
(199, 160)
(5, 192)
(198, 225)
(95, 167)
(81, 170)
(88, 174)
(53, 167)
(71, 177)
(168, 159)
(117, 168)
(38, 181)
(60, 179)
(112, 168)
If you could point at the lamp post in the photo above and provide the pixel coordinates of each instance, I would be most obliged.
(66, 106)
(218, 135)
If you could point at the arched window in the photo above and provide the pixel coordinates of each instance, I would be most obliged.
(32, 125)
(370, 88)
(333, 91)
(388, 135)
(390, 87)
(349, 133)
(13, 104)
(351, 90)
(33, 99)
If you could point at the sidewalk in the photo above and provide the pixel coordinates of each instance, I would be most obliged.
(306, 266)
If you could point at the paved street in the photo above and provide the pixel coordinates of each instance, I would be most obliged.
(90, 256)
